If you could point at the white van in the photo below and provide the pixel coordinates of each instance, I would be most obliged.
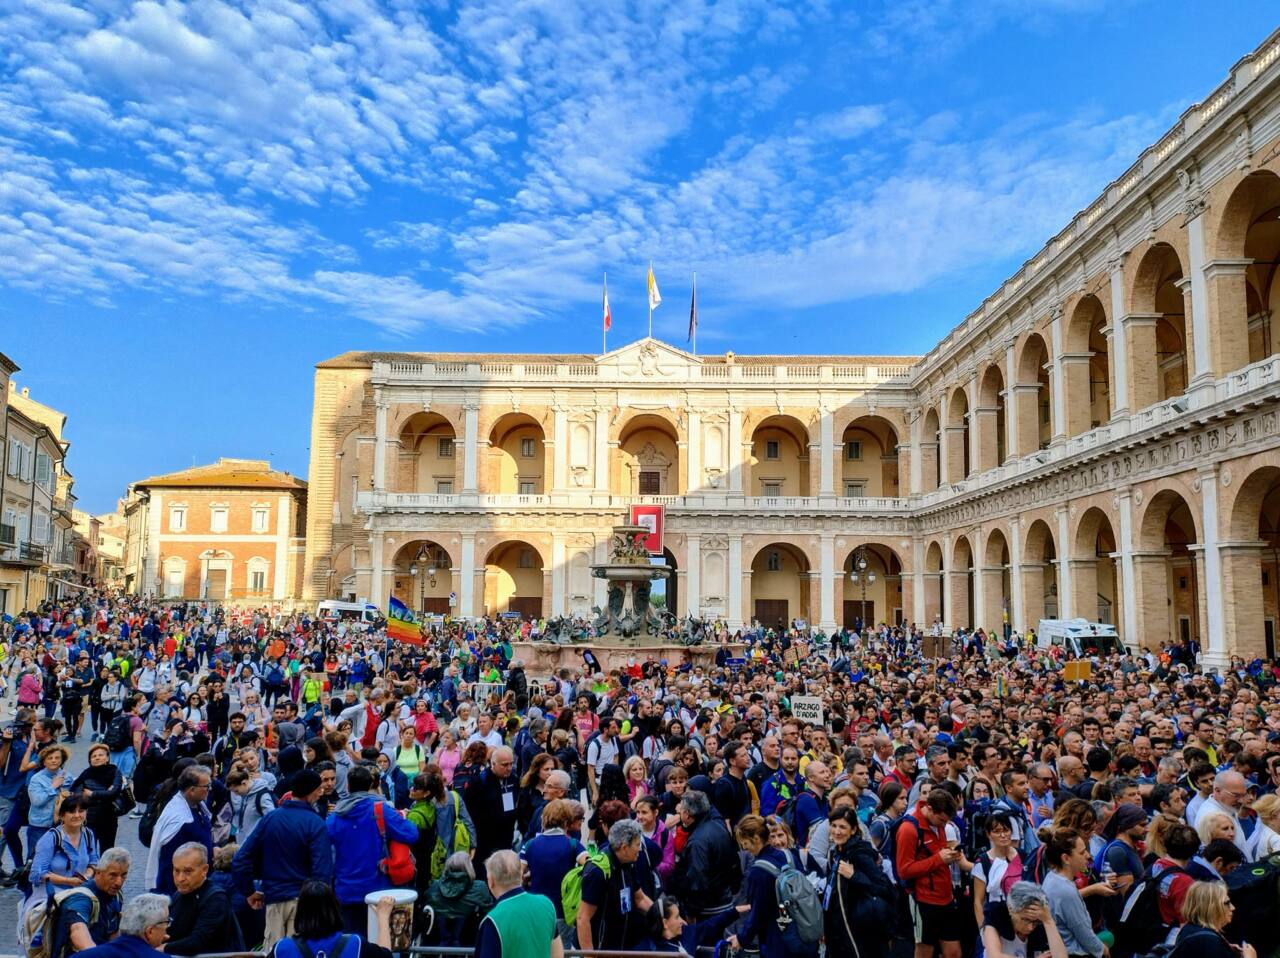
(1079, 636)
(333, 612)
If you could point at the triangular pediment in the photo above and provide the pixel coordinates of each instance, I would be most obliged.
(650, 358)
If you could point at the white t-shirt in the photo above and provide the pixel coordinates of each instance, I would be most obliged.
(601, 753)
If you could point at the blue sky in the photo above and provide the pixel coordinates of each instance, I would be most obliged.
(199, 201)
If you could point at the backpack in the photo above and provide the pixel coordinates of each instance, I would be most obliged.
(1255, 891)
(800, 913)
(397, 862)
(1141, 928)
(786, 812)
(1100, 860)
(275, 675)
(891, 858)
(147, 823)
(571, 884)
(40, 922)
(339, 946)
(117, 737)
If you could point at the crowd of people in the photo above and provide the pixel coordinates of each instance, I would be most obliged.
(291, 776)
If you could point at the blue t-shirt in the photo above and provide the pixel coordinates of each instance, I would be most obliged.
(550, 858)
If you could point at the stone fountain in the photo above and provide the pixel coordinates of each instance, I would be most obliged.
(629, 576)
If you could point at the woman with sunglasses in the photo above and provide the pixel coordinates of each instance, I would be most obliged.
(65, 855)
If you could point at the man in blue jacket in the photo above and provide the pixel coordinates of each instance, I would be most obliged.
(358, 846)
(288, 847)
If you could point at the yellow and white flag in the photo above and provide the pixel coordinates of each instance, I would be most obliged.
(655, 298)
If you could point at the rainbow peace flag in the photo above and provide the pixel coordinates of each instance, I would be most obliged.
(401, 624)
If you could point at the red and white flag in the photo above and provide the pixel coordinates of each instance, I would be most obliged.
(608, 316)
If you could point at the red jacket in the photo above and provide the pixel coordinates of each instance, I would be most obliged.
(923, 869)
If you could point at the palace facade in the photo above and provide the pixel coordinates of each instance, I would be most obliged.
(1101, 438)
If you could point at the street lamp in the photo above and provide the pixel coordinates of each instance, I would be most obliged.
(423, 555)
(861, 577)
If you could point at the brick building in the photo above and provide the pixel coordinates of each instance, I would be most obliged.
(230, 531)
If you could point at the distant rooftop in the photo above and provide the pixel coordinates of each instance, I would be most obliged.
(227, 474)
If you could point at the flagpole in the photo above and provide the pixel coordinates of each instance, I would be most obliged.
(649, 297)
(604, 330)
(695, 306)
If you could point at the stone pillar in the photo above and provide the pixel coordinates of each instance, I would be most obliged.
(957, 603)
(692, 591)
(380, 406)
(558, 583)
(1126, 579)
(1228, 315)
(470, 447)
(1242, 580)
(1017, 612)
(599, 587)
(735, 463)
(955, 442)
(1032, 593)
(1083, 574)
(1063, 536)
(1214, 645)
(1144, 370)
(602, 451)
(1026, 399)
(979, 600)
(1198, 322)
(1013, 447)
(915, 485)
(1117, 346)
(1058, 398)
(378, 560)
(985, 433)
(467, 575)
(991, 591)
(975, 438)
(948, 607)
(917, 584)
(560, 452)
(929, 465)
(693, 450)
(944, 447)
(1075, 378)
(1151, 576)
(548, 590)
(827, 453)
(735, 581)
(827, 582)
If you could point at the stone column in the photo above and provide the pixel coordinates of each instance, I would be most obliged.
(991, 591)
(1084, 583)
(954, 440)
(1013, 447)
(948, 606)
(1032, 593)
(1017, 613)
(915, 485)
(975, 436)
(1144, 372)
(693, 450)
(1151, 576)
(929, 465)
(548, 590)
(735, 463)
(1063, 536)
(1079, 405)
(693, 580)
(1059, 405)
(470, 448)
(1026, 399)
(560, 451)
(602, 450)
(1198, 322)
(380, 406)
(1228, 315)
(1126, 584)
(827, 582)
(467, 575)
(917, 584)
(558, 578)
(1245, 616)
(378, 560)
(734, 610)
(979, 600)
(957, 604)
(827, 453)
(1118, 349)
(1214, 647)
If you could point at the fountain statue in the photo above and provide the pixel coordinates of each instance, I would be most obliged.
(629, 576)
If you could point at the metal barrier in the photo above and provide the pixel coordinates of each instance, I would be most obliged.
(448, 951)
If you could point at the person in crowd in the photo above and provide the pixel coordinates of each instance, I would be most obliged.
(554, 851)
(997, 869)
(319, 927)
(520, 923)
(1206, 911)
(1067, 855)
(66, 855)
(202, 919)
(44, 789)
(184, 818)
(923, 856)
(861, 906)
(144, 926)
(610, 916)
(438, 813)
(491, 799)
(1021, 924)
(87, 920)
(708, 872)
(458, 900)
(759, 929)
(101, 785)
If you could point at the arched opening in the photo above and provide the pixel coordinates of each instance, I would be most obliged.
(422, 576)
(1086, 369)
(997, 590)
(1095, 593)
(934, 609)
(957, 436)
(1251, 566)
(962, 585)
(930, 441)
(1244, 297)
(1039, 575)
(1159, 328)
(779, 586)
(649, 453)
(1035, 398)
(429, 459)
(513, 580)
(993, 446)
(780, 458)
(872, 587)
(1165, 568)
(869, 458)
(518, 463)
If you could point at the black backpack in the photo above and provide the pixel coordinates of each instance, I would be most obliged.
(1255, 893)
(147, 823)
(1141, 928)
(117, 737)
(892, 843)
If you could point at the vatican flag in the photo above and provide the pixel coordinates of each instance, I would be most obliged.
(655, 298)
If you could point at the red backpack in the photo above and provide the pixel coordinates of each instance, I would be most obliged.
(398, 863)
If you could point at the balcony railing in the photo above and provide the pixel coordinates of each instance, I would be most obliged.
(33, 552)
(695, 502)
(8, 534)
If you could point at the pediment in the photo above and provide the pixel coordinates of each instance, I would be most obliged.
(650, 359)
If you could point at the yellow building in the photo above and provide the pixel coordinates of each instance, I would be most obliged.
(1099, 439)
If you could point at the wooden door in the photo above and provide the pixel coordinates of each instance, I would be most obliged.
(436, 606)
(650, 483)
(772, 613)
(529, 608)
(855, 609)
(216, 584)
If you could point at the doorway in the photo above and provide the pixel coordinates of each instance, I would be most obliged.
(773, 613)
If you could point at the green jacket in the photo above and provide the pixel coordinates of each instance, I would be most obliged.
(457, 896)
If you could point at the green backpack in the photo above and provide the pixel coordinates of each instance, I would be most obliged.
(571, 884)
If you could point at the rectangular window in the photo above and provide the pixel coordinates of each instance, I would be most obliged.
(14, 465)
(853, 450)
(40, 528)
(528, 487)
(526, 558)
(44, 470)
(218, 519)
(771, 489)
(855, 490)
(260, 519)
(257, 581)
(444, 448)
(774, 562)
(444, 487)
(650, 483)
(771, 449)
(527, 447)
(178, 519)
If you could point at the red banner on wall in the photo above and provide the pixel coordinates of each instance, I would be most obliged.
(654, 519)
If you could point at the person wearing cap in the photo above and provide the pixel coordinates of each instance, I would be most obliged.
(1126, 827)
(288, 848)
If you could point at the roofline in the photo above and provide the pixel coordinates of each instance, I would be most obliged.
(8, 365)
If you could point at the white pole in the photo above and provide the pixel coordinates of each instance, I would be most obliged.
(695, 312)
(649, 296)
(604, 330)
